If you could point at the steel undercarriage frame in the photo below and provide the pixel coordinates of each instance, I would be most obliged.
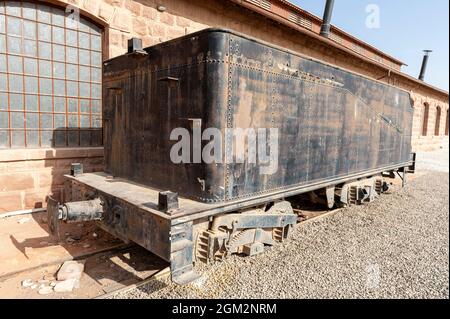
(338, 133)
(133, 213)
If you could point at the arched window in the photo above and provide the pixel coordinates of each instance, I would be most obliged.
(437, 124)
(425, 114)
(50, 77)
(446, 124)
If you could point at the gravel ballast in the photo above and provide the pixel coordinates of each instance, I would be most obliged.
(395, 247)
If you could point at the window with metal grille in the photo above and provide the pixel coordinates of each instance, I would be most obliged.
(300, 20)
(437, 124)
(262, 3)
(50, 77)
(336, 38)
(425, 114)
(446, 124)
(357, 48)
(378, 58)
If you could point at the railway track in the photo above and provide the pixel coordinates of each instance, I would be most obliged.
(107, 272)
(305, 216)
(105, 269)
(120, 268)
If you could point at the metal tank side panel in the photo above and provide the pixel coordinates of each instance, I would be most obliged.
(331, 122)
(176, 85)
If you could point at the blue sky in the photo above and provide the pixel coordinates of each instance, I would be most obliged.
(406, 28)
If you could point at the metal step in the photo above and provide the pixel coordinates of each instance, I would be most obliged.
(201, 253)
(278, 234)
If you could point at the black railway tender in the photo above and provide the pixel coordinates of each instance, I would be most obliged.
(329, 133)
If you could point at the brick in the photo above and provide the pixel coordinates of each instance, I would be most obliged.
(65, 163)
(115, 38)
(148, 41)
(71, 152)
(121, 20)
(35, 199)
(24, 166)
(10, 201)
(116, 51)
(134, 7)
(158, 30)
(37, 154)
(96, 152)
(91, 6)
(183, 22)
(98, 168)
(16, 181)
(200, 26)
(50, 178)
(140, 26)
(43, 153)
(74, 2)
(167, 18)
(88, 168)
(37, 164)
(96, 161)
(45, 179)
(106, 12)
(12, 155)
(16, 166)
(190, 30)
(115, 3)
(149, 13)
(173, 33)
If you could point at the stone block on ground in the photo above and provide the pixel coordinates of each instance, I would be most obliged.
(67, 285)
(45, 290)
(70, 270)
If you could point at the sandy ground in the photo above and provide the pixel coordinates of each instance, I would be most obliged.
(434, 161)
(395, 247)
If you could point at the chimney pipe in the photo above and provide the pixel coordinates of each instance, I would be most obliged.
(424, 64)
(326, 24)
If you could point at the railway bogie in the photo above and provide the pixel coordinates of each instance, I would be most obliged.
(329, 133)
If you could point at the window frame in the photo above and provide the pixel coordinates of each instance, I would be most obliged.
(425, 118)
(30, 96)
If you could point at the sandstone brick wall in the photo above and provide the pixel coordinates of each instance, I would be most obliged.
(430, 141)
(140, 18)
(28, 176)
(125, 19)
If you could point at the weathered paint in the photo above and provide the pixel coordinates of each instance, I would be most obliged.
(332, 123)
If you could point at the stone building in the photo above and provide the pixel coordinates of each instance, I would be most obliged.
(51, 56)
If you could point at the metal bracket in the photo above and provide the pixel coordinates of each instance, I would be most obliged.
(181, 254)
(168, 202)
(76, 169)
(53, 216)
(135, 48)
(235, 222)
(169, 79)
(412, 167)
(403, 176)
(330, 196)
(246, 232)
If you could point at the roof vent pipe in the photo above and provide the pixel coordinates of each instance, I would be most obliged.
(423, 69)
(326, 24)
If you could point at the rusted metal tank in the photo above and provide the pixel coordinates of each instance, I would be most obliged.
(337, 132)
(331, 122)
